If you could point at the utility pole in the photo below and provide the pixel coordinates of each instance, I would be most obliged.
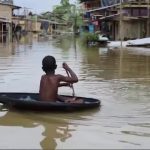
(75, 20)
(121, 38)
(148, 19)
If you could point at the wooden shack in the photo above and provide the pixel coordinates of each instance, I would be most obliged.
(6, 11)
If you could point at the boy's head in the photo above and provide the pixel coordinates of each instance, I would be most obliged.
(49, 64)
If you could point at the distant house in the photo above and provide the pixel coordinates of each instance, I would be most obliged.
(6, 11)
(36, 23)
(106, 16)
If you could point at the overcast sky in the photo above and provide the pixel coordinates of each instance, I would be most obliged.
(38, 6)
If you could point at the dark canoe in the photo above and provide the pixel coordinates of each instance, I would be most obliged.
(31, 101)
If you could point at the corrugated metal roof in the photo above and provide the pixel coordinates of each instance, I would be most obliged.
(110, 16)
(102, 8)
(4, 20)
(13, 6)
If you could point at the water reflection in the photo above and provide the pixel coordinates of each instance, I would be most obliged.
(56, 126)
(7, 50)
(109, 64)
(3, 38)
(24, 40)
(56, 130)
(10, 48)
(63, 43)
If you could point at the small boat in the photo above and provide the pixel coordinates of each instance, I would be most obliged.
(31, 101)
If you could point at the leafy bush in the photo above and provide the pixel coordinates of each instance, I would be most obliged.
(90, 37)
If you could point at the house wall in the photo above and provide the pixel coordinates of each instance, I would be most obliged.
(136, 12)
(131, 29)
(28, 24)
(6, 12)
(36, 26)
(5, 27)
(91, 4)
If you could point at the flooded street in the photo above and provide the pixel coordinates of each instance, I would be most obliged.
(119, 78)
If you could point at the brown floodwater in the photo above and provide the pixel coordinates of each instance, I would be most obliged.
(119, 78)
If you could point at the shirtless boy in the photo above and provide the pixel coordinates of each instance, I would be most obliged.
(50, 82)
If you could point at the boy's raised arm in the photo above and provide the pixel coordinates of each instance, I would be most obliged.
(73, 77)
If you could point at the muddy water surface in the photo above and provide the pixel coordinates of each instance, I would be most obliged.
(119, 78)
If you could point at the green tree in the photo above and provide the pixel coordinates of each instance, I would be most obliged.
(70, 13)
(65, 2)
(63, 10)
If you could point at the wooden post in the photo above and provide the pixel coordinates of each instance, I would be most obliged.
(2, 32)
(36, 23)
(9, 32)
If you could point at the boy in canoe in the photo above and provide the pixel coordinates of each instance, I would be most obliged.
(50, 82)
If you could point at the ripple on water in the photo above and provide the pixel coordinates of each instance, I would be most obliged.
(145, 125)
(136, 133)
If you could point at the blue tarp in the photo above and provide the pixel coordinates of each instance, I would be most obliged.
(91, 28)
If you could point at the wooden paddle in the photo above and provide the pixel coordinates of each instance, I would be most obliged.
(73, 92)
